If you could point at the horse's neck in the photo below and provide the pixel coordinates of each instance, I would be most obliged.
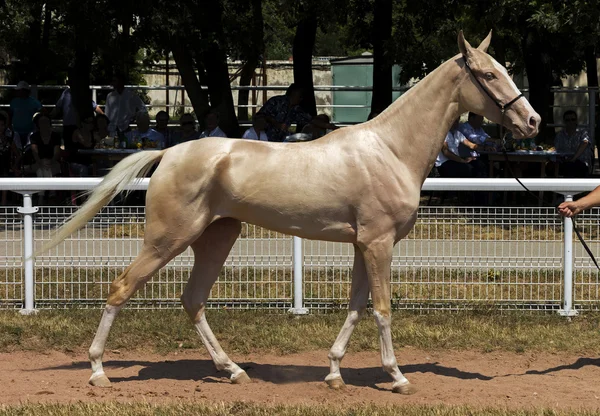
(414, 127)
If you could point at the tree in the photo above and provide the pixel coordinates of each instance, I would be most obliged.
(382, 64)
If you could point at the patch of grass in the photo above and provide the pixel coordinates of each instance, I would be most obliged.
(247, 409)
(164, 331)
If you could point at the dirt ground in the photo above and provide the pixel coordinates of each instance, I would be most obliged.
(495, 379)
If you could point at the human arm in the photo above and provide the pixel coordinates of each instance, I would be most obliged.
(270, 110)
(571, 208)
(471, 145)
(97, 108)
(451, 156)
(582, 146)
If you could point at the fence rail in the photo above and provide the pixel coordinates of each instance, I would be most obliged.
(517, 258)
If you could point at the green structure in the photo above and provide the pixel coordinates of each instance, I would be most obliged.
(356, 72)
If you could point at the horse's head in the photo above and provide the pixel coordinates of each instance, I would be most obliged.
(489, 88)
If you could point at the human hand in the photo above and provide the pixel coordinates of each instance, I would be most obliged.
(570, 208)
(469, 159)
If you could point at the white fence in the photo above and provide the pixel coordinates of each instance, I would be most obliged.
(519, 258)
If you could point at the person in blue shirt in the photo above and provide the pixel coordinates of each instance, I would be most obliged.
(23, 107)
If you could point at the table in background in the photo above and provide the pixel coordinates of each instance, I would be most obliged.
(111, 155)
(524, 156)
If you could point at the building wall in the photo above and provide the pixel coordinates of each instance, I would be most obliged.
(278, 73)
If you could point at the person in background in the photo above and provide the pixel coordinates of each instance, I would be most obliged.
(45, 146)
(83, 138)
(23, 107)
(187, 130)
(572, 208)
(450, 164)
(576, 142)
(143, 134)
(257, 131)
(101, 132)
(64, 106)
(122, 106)
(281, 111)
(162, 126)
(212, 126)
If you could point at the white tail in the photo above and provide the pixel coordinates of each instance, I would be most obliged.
(129, 169)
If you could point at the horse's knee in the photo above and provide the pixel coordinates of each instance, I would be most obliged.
(193, 308)
(121, 290)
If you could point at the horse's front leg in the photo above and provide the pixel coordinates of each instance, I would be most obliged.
(378, 259)
(359, 296)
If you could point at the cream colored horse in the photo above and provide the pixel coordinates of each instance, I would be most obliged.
(357, 185)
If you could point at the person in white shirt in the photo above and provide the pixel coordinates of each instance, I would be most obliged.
(122, 105)
(450, 164)
(257, 131)
(149, 138)
(211, 121)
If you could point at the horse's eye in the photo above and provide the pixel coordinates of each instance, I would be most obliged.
(490, 76)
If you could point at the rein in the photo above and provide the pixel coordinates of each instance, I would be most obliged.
(503, 108)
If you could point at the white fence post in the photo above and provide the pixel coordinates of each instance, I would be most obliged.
(27, 210)
(298, 260)
(567, 302)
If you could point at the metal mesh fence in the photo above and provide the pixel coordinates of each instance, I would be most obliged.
(455, 257)
(508, 258)
(11, 261)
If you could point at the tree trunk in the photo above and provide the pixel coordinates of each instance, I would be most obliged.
(214, 60)
(591, 65)
(302, 50)
(253, 58)
(382, 65)
(80, 90)
(539, 76)
(185, 66)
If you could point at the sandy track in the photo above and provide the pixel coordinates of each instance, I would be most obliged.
(470, 378)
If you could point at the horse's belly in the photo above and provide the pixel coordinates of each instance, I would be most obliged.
(306, 223)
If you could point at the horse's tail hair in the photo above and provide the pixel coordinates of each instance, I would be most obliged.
(129, 169)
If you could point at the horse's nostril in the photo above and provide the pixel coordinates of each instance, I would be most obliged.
(532, 121)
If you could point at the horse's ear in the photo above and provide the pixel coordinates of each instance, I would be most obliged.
(463, 46)
(485, 44)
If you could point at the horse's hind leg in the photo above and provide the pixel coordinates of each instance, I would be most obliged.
(359, 296)
(156, 252)
(210, 252)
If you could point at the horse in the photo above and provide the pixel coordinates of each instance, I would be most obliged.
(360, 184)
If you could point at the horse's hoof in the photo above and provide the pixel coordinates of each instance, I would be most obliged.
(100, 381)
(405, 389)
(241, 378)
(336, 383)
